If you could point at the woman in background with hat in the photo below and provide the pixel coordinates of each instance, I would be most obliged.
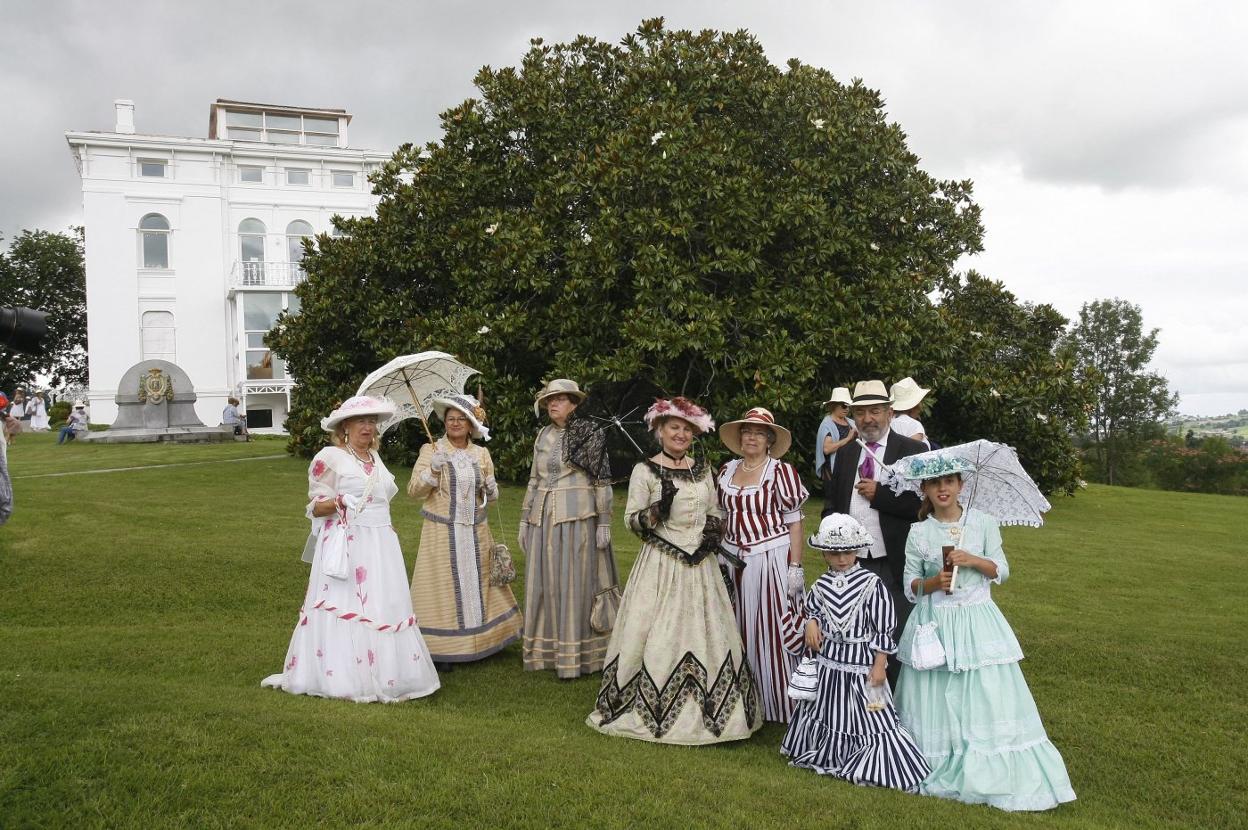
(676, 671)
(907, 406)
(835, 431)
(762, 499)
(356, 637)
(463, 616)
(565, 533)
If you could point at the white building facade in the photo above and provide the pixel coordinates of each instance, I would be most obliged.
(193, 245)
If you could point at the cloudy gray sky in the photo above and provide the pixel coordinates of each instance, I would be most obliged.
(1108, 141)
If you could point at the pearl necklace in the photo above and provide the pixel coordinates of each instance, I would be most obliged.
(363, 463)
(747, 468)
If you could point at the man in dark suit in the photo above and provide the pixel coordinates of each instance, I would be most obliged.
(855, 489)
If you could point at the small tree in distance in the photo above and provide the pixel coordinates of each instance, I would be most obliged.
(1109, 342)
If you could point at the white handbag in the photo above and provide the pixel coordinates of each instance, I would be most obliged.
(926, 650)
(334, 551)
(804, 683)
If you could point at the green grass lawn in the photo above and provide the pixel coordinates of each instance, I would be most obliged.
(142, 607)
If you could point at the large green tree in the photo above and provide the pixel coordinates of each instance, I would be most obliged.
(45, 271)
(1109, 342)
(670, 214)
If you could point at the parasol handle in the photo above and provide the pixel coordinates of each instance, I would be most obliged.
(871, 453)
(424, 422)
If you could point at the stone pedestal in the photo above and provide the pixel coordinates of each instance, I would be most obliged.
(156, 402)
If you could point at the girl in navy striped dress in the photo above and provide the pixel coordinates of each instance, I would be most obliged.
(847, 620)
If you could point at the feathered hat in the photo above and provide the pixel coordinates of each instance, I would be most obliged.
(682, 408)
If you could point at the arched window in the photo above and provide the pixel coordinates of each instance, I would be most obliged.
(154, 241)
(158, 336)
(251, 250)
(296, 232)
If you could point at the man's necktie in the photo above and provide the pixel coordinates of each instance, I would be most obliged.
(866, 470)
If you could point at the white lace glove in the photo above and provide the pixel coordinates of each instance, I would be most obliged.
(523, 534)
(351, 501)
(440, 459)
(604, 536)
(797, 580)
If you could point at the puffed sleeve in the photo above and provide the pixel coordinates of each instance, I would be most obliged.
(882, 618)
(643, 491)
(713, 510)
(322, 480)
(792, 493)
(531, 491)
(993, 549)
(914, 562)
(423, 481)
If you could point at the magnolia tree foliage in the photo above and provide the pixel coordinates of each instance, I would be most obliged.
(45, 271)
(673, 214)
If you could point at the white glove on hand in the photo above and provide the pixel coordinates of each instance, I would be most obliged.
(797, 580)
(604, 537)
(352, 501)
(490, 486)
(440, 459)
(523, 534)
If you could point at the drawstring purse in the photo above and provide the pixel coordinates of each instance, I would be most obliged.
(926, 650)
(804, 683)
(502, 568)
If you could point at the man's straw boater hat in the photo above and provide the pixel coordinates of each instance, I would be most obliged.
(730, 433)
(558, 386)
(870, 393)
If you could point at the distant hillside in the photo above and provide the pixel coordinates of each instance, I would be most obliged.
(1234, 427)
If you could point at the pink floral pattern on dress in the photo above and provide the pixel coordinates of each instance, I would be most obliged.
(372, 658)
(318, 469)
(361, 574)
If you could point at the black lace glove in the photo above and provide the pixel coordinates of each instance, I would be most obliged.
(667, 494)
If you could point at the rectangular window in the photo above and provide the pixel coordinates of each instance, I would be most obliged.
(250, 173)
(152, 168)
(301, 177)
(282, 122)
(320, 139)
(320, 125)
(344, 178)
(244, 135)
(259, 418)
(282, 137)
(155, 249)
(243, 119)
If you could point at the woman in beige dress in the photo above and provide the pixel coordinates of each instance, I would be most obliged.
(565, 533)
(676, 672)
(462, 616)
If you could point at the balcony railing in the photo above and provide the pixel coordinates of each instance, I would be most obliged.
(266, 274)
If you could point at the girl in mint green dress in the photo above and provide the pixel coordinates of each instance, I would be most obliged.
(973, 717)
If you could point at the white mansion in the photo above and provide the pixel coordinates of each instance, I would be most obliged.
(193, 245)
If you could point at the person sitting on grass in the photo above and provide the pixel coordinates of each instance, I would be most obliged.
(850, 729)
(75, 424)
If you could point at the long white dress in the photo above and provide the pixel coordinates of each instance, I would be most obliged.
(357, 638)
(38, 415)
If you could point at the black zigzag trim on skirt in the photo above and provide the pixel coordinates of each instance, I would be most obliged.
(659, 708)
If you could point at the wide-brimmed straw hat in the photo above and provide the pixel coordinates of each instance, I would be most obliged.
(730, 433)
(351, 408)
(932, 465)
(839, 532)
(869, 393)
(471, 408)
(682, 408)
(839, 395)
(907, 394)
(558, 386)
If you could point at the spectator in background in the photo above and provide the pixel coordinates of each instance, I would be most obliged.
(37, 409)
(75, 424)
(231, 417)
(908, 408)
(6, 487)
(835, 431)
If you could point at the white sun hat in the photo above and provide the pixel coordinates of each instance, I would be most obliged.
(907, 394)
(471, 409)
(839, 532)
(359, 405)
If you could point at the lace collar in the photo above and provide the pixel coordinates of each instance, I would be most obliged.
(693, 473)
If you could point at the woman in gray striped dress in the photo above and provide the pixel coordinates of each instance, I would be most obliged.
(847, 619)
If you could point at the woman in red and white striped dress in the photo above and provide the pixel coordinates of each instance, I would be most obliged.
(762, 498)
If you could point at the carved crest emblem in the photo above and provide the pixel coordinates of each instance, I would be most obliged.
(154, 388)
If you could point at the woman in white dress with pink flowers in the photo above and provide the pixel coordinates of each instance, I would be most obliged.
(356, 636)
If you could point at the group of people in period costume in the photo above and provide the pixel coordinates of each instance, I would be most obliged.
(715, 631)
